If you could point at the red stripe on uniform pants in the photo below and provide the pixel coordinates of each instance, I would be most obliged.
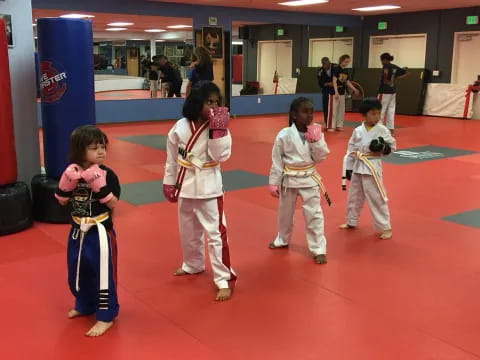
(223, 234)
(113, 254)
(379, 97)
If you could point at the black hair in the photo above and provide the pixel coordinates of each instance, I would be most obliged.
(295, 105)
(81, 138)
(192, 108)
(369, 104)
(386, 57)
(325, 59)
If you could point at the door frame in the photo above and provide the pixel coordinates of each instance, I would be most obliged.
(453, 73)
(310, 42)
(394, 36)
(259, 52)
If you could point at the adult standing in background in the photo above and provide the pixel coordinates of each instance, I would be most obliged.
(153, 76)
(170, 76)
(202, 69)
(387, 93)
(324, 76)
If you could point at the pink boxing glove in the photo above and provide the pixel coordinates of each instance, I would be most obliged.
(68, 182)
(274, 190)
(314, 133)
(169, 193)
(96, 178)
(219, 119)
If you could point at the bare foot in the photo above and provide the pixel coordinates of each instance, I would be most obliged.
(180, 272)
(387, 234)
(320, 259)
(273, 246)
(330, 130)
(339, 129)
(73, 314)
(224, 294)
(99, 328)
(346, 227)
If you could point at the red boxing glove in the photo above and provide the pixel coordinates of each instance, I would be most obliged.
(96, 178)
(274, 190)
(314, 133)
(169, 193)
(219, 119)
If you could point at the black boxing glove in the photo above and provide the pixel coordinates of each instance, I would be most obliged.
(386, 147)
(376, 146)
(348, 175)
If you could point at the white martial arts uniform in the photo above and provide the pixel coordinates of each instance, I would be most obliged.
(193, 162)
(293, 169)
(336, 112)
(367, 180)
(389, 102)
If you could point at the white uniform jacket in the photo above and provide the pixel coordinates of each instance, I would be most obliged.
(290, 150)
(193, 160)
(360, 141)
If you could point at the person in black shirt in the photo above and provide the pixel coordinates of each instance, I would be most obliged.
(153, 76)
(336, 111)
(324, 76)
(93, 190)
(387, 94)
(171, 76)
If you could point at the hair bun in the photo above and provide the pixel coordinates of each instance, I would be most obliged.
(391, 58)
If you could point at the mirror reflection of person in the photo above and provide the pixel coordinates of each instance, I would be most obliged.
(153, 75)
(202, 69)
(171, 76)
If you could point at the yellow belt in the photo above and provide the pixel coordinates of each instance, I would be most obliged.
(187, 164)
(365, 159)
(308, 171)
(85, 224)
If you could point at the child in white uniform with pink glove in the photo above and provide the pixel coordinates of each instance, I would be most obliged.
(196, 146)
(93, 190)
(296, 151)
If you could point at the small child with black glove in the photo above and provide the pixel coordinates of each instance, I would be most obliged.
(362, 166)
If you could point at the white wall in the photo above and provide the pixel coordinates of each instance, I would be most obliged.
(22, 74)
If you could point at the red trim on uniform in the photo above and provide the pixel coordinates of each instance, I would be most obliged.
(190, 144)
(113, 253)
(330, 111)
(379, 97)
(225, 247)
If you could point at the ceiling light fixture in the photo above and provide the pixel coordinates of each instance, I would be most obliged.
(237, 42)
(116, 29)
(120, 24)
(160, 40)
(154, 30)
(377, 8)
(179, 26)
(76, 16)
(303, 2)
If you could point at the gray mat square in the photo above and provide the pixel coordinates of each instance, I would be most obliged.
(155, 141)
(424, 153)
(468, 218)
(147, 192)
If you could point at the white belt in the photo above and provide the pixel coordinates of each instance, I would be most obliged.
(85, 224)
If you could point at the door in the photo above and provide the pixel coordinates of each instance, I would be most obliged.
(273, 56)
(132, 61)
(332, 48)
(466, 52)
(408, 50)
